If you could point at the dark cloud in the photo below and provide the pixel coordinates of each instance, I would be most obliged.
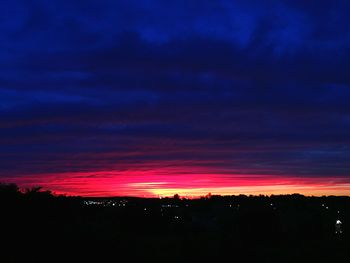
(249, 87)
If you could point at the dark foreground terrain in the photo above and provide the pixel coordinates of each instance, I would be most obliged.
(37, 226)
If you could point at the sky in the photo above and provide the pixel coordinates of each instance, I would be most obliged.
(157, 97)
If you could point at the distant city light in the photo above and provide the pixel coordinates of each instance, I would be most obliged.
(170, 206)
(338, 225)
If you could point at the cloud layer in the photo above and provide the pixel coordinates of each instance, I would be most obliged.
(244, 88)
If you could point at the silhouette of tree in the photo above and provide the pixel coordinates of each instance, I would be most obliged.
(216, 223)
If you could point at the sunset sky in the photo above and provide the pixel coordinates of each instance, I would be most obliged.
(153, 98)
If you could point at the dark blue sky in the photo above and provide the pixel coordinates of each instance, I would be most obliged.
(234, 87)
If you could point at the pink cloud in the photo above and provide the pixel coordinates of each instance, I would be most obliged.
(186, 181)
